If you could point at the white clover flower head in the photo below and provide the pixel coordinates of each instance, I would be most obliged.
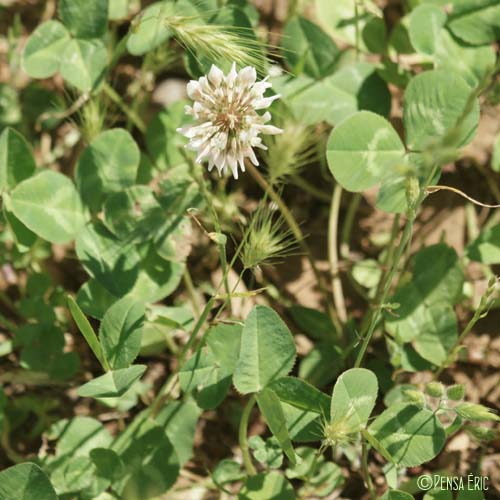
(228, 126)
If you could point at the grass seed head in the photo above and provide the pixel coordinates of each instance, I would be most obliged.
(267, 240)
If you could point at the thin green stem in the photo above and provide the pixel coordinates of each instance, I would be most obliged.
(243, 437)
(6, 323)
(348, 224)
(188, 283)
(377, 315)
(333, 256)
(299, 236)
(130, 113)
(478, 314)
(366, 472)
(310, 188)
(215, 219)
(9, 305)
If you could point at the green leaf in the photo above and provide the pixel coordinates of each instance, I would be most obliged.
(425, 316)
(25, 481)
(270, 407)
(486, 248)
(157, 277)
(25, 238)
(48, 204)
(16, 159)
(270, 485)
(208, 372)
(120, 332)
(339, 20)
(396, 495)
(434, 103)
(113, 383)
(151, 462)
(163, 142)
(265, 337)
(321, 364)
(412, 435)
(41, 57)
(134, 213)
(227, 471)
(78, 436)
(179, 420)
(296, 392)
(313, 323)
(87, 331)
(10, 108)
(107, 463)
(149, 28)
(307, 48)
(83, 63)
(352, 88)
(113, 263)
(426, 22)
(472, 63)
(118, 9)
(476, 21)
(94, 299)
(268, 452)
(363, 151)
(108, 164)
(84, 18)
(303, 426)
(353, 398)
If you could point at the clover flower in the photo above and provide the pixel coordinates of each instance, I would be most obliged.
(228, 127)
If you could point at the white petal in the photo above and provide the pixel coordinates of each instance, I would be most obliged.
(215, 75)
(247, 76)
(270, 129)
(193, 90)
(231, 76)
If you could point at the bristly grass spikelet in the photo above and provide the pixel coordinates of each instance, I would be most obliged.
(289, 152)
(267, 241)
(215, 42)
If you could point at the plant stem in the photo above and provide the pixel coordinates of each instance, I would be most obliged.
(333, 222)
(405, 239)
(188, 283)
(294, 227)
(478, 314)
(366, 472)
(347, 227)
(221, 247)
(242, 434)
(131, 114)
(6, 323)
(310, 188)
